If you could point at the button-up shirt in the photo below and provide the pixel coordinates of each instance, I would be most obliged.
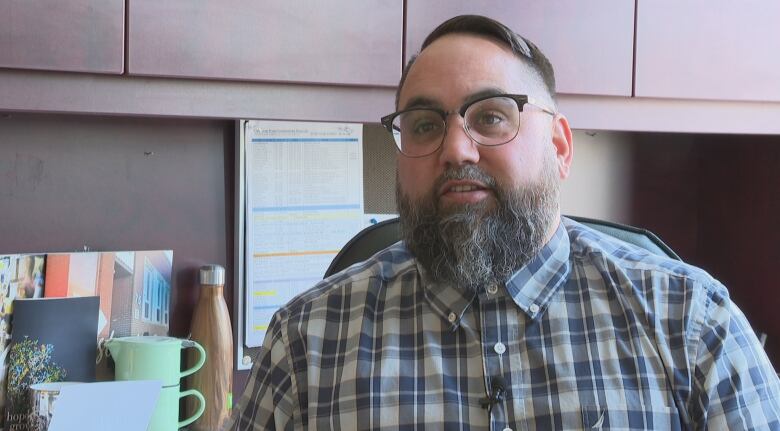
(591, 333)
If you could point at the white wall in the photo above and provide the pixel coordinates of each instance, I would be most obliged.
(600, 181)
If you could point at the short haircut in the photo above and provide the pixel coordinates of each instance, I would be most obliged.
(483, 26)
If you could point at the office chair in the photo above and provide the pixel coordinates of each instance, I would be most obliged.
(376, 237)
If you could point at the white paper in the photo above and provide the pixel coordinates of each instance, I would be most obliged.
(304, 186)
(116, 406)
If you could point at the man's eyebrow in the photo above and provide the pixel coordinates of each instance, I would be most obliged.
(421, 102)
(425, 102)
(492, 91)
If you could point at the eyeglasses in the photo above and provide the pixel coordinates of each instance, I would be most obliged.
(490, 121)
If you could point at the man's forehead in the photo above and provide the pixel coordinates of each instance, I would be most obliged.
(461, 67)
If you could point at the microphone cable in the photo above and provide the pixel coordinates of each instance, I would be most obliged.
(497, 394)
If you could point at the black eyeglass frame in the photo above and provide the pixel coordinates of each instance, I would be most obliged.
(520, 99)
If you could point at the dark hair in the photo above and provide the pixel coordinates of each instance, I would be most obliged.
(483, 26)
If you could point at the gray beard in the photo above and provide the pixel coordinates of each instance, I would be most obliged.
(473, 246)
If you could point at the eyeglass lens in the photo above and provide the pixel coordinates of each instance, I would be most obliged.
(492, 121)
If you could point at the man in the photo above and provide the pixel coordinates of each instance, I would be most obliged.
(494, 312)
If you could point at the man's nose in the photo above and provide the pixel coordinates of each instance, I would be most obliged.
(457, 147)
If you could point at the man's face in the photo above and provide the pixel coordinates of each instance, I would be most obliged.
(447, 74)
(473, 214)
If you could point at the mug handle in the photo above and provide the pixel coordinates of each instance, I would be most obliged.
(201, 359)
(197, 414)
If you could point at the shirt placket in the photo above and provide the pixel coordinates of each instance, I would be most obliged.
(497, 323)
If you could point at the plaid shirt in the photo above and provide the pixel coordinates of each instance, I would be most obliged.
(592, 333)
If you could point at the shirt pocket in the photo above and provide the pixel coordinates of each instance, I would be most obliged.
(630, 417)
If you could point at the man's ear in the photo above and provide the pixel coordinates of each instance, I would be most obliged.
(563, 142)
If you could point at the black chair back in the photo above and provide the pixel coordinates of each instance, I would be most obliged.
(383, 234)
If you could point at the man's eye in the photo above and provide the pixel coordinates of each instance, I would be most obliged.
(424, 127)
(490, 118)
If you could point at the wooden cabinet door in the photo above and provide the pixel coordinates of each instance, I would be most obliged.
(334, 41)
(708, 49)
(589, 43)
(67, 35)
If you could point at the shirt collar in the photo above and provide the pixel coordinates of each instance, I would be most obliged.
(532, 286)
(447, 300)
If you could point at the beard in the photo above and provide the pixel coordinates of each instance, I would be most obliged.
(472, 246)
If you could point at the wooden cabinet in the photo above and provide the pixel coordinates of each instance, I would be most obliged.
(713, 49)
(72, 35)
(589, 43)
(335, 41)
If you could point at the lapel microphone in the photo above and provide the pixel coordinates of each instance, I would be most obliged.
(497, 392)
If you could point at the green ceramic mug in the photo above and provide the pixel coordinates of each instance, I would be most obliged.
(152, 358)
(166, 412)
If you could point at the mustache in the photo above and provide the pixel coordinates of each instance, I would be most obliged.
(466, 172)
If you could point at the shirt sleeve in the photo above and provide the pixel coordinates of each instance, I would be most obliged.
(735, 385)
(268, 401)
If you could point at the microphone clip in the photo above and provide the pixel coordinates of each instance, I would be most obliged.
(497, 393)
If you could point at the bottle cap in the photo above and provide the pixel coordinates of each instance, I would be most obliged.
(212, 274)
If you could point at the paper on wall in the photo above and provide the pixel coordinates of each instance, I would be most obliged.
(304, 190)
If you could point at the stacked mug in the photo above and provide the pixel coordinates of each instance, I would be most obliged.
(159, 358)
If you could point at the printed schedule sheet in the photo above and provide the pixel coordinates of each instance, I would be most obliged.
(304, 202)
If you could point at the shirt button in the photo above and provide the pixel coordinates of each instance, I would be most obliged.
(533, 308)
(500, 348)
(452, 317)
(493, 289)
